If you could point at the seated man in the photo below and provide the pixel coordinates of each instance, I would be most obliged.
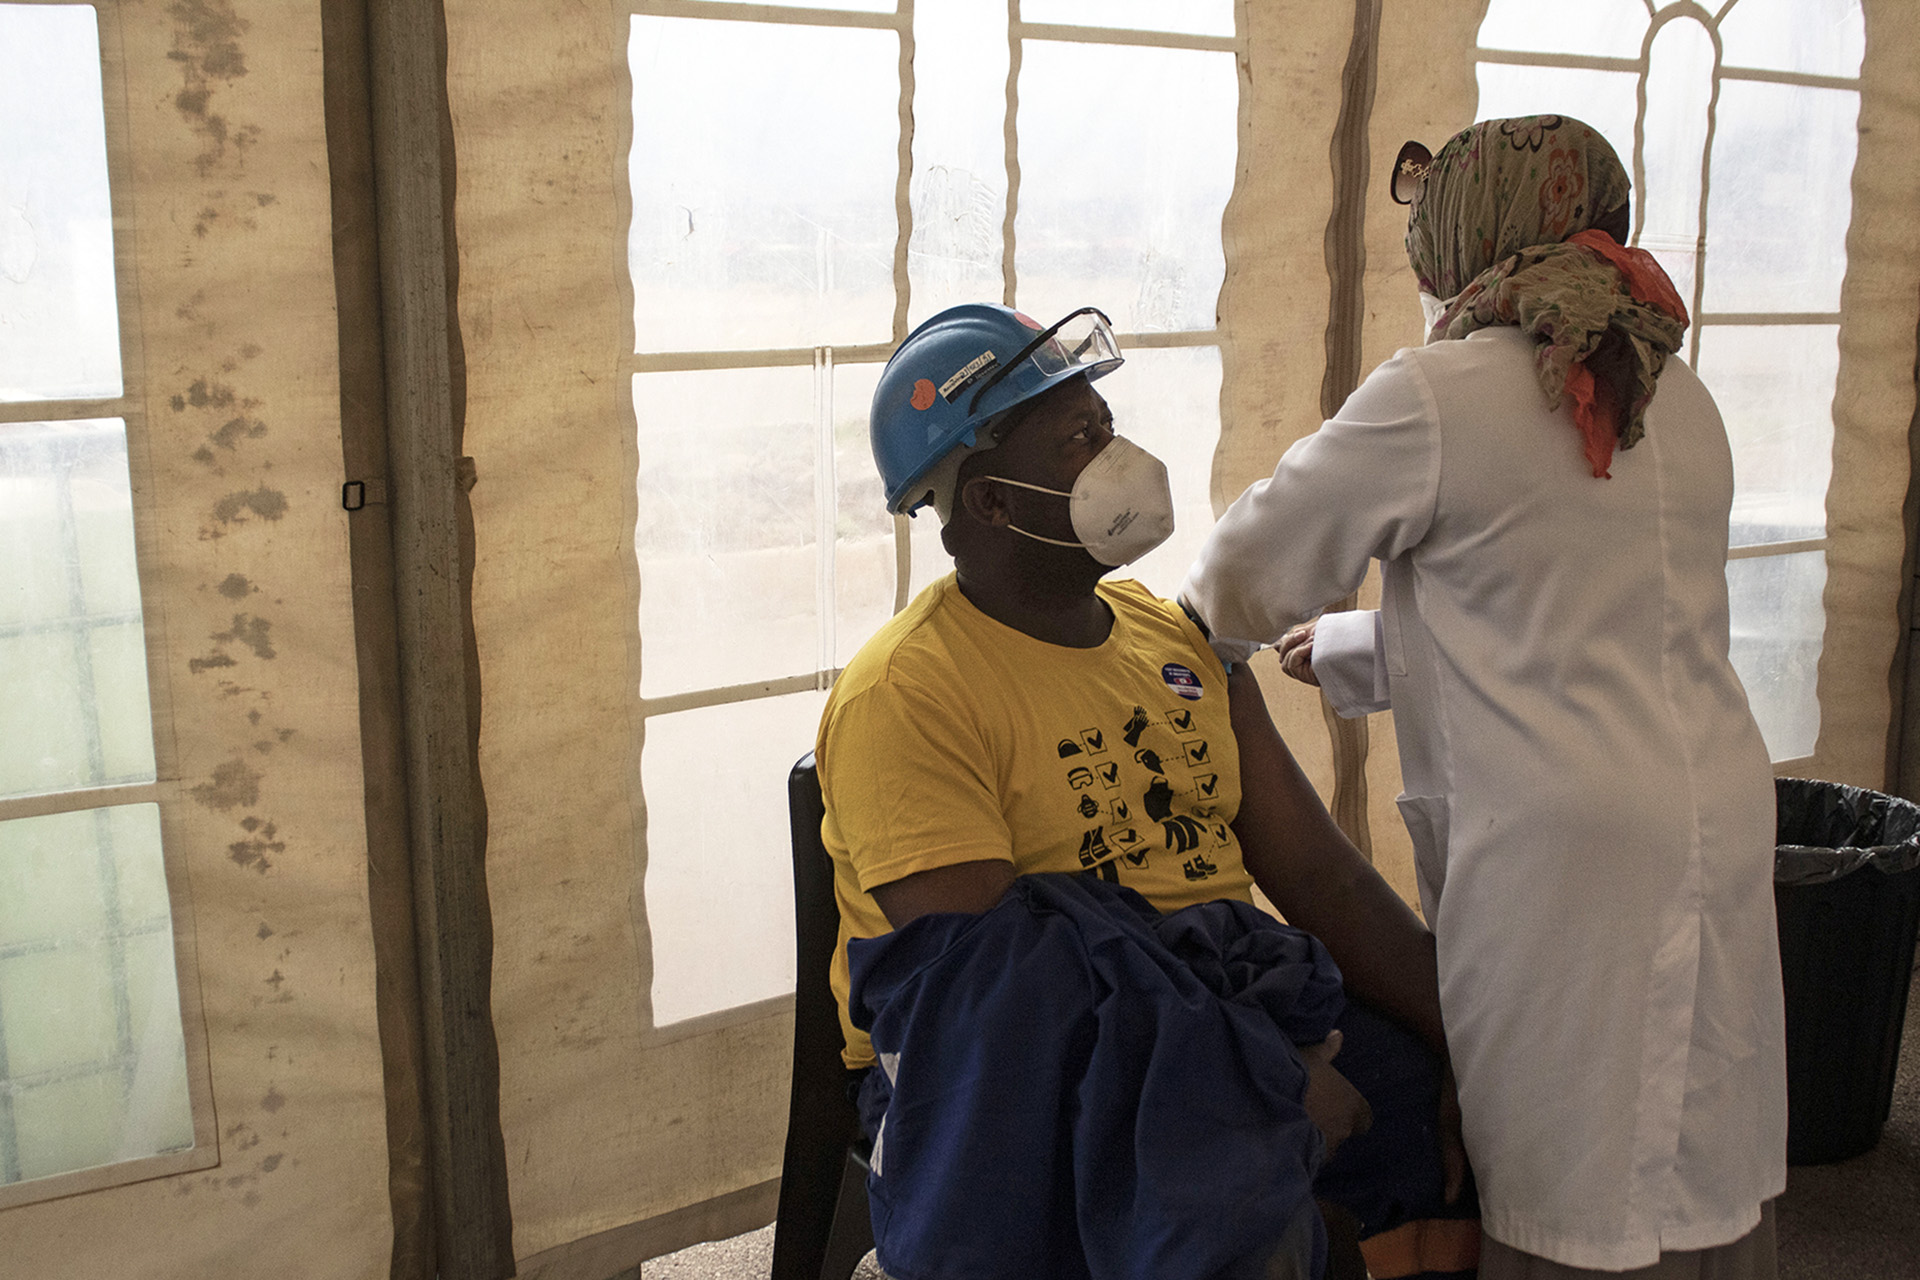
(1021, 716)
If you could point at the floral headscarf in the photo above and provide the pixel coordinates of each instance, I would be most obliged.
(1502, 232)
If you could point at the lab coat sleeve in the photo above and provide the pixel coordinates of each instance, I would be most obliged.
(1349, 661)
(1360, 488)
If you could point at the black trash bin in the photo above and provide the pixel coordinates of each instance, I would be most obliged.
(1846, 883)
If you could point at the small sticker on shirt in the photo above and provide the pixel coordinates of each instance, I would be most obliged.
(1181, 680)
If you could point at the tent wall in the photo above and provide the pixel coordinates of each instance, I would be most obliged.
(1279, 236)
(609, 1125)
(217, 108)
(1873, 414)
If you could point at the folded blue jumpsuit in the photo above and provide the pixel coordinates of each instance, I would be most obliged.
(1072, 1085)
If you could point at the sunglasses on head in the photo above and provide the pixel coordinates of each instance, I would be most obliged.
(1409, 171)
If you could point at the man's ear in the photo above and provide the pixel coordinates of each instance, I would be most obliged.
(985, 501)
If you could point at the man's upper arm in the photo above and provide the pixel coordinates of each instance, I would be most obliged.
(910, 790)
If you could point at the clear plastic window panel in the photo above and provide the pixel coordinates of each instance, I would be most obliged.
(847, 6)
(958, 191)
(762, 219)
(1812, 37)
(719, 879)
(1607, 100)
(1777, 623)
(726, 537)
(92, 1062)
(1184, 17)
(1679, 95)
(1774, 385)
(59, 320)
(1127, 158)
(1167, 401)
(863, 546)
(74, 708)
(1781, 199)
(1598, 28)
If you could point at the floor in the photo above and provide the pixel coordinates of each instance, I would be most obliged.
(1857, 1220)
(1862, 1217)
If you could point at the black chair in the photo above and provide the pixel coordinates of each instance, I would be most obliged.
(823, 1229)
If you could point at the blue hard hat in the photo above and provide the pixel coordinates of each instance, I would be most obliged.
(963, 368)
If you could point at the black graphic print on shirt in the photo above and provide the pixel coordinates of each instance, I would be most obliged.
(1177, 803)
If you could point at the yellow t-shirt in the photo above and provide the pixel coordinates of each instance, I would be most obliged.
(951, 738)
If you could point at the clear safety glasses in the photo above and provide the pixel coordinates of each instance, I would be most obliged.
(1083, 339)
(1409, 171)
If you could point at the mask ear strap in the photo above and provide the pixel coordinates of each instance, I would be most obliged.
(1022, 484)
(1038, 538)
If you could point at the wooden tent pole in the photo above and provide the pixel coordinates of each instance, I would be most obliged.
(428, 480)
(363, 448)
(1346, 252)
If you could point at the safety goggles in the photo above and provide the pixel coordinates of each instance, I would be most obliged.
(1409, 171)
(1082, 339)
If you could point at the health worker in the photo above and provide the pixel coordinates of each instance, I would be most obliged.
(1547, 489)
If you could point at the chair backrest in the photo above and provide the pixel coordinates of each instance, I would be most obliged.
(821, 1120)
(816, 916)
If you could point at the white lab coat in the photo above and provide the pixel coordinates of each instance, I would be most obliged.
(1590, 800)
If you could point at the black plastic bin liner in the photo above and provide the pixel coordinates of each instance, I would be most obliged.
(1846, 885)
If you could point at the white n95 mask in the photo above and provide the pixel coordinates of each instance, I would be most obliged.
(1121, 505)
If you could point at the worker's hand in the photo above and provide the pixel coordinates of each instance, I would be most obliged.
(1453, 1147)
(1296, 653)
(1331, 1101)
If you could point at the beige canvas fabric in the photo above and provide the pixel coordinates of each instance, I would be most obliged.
(244, 574)
(1873, 410)
(1275, 302)
(607, 1123)
(622, 1139)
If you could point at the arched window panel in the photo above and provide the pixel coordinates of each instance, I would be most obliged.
(1126, 162)
(1766, 155)
(1774, 386)
(761, 219)
(1607, 100)
(1598, 28)
(1184, 17)
(1777, 625)
(1810, 37)
(958, 192)
(1679, 87)
(1781, 198)
(719, 879)
(59, 318)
